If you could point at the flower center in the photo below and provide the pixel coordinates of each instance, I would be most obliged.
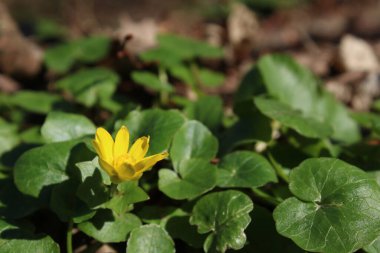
(124, 159)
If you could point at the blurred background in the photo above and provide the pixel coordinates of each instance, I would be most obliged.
(338, 40)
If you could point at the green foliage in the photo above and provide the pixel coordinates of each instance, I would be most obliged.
(222, 162)
(335, 208)
(225, 215)
(150, 239)
(87, 50)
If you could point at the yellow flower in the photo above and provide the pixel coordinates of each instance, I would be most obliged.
(121, 162)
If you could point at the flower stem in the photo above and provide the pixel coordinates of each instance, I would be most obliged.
(266, 197)
(278, 168)
(69, 237)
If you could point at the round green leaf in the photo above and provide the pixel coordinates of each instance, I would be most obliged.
(224, 214)
(160, 125)
(61, 126)
(151, 81)
(245, 169)
(150, 239)
(336, 208)
(16, 239)
(38, 169)
(106, 226)
(289, 117)
(195, 177)
(193, 140)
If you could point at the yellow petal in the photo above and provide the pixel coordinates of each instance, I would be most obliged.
(139, 148)
(150, 161)
(104, 143)
(107, 167)
(121, 142)
(127, 172)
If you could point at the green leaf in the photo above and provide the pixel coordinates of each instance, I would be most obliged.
(89, 86)
(93, 190)
(35, 101)
(61, 126)
(8, 136)
(374, 247)
(282, 76)
(15, 239)
(106, 226)
(187, 48)
(193, 140)
(245, 169)
(224, 214)
(159, 124)
(39, 169)
(163, 56)
(150, 239)
(87, 50)
(336, 208)
(208, 110)
(210, 78)
(150, 81)
(195, 177)
(183, 73)
(294, 119)
(49, 29)
(127, 193)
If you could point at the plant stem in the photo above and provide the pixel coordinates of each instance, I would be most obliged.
(164, 96)
(279, 170)
(69, 237)
(266, 197)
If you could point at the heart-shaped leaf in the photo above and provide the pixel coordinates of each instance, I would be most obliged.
(245, 169)
(106, 226)
(39, 169)
(336, 208)
(195, 177)
(224, 214)
(150, 239)
(193, 140)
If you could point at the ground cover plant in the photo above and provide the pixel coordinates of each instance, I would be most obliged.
(110, 150)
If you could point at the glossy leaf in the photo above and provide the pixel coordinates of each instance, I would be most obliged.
(150, 239)
(193, 140)
(296, 87)
(195, 177)
(61, 126)
(336, 208)
(224, 215)
(289, 117)
(107, 226)
(39, 169)
(245, 169)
